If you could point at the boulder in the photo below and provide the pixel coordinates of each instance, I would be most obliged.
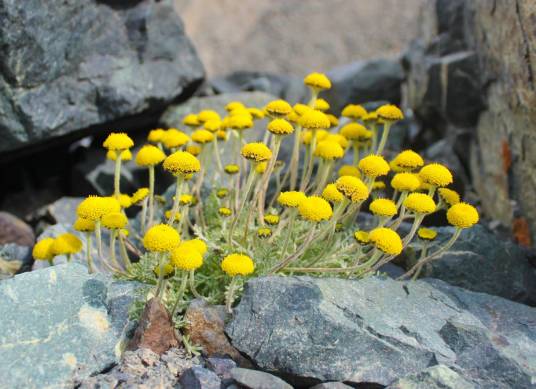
(198, 377)
(435, 377)
(60, 323)
(255, 379)
(14, 259)
(68, 66)
(14, 230)
(63, 210)
(376, 331)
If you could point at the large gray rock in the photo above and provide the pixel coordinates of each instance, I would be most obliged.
(68, 65)
(435, 377)
(376, 331)
(60, 323)
(14, 259)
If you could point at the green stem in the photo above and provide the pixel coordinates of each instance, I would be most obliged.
(98, 235)
(266, 177)
(182, 288)
(385, 135)
(176, 200)
(113, 235)
(160, 282)
(191, 282)
(144, 214)
(117, 174)
(249, 185)
(123, 250)
(355, 146)
(88, 253)
(295, 159)
(229, 297)
(151, 196)
(293, 214)
(416, 223)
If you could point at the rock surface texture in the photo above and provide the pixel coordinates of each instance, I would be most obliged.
(68, 65)
(59, 324)
(377, 331)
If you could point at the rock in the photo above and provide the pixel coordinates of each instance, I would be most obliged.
(206, 328)
(70, 66)
(221, 366)
(435, 377)
(331, 385)
(14, 259)
(14, 230)
(377, 330)
(200, 378)
(63, 210)
(155, 330)
(61, 322)
(254, 379)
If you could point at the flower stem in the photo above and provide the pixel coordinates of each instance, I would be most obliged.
(176, 200)
(385, 135)
(182, 288)
(249, 185)
(88, 253)
(229, 296)
(266, 177)
(98, 235)
(151, 196)
(117, 175)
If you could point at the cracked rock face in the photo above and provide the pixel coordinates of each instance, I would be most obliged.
(60, 323)
(69, 65)
(376, 331)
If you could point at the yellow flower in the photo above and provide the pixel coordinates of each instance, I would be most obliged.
(389, 112)
(383, 207)
(370, 117)
(420, 203)
(139, 195)
(224, 211)
(195, 150)
(291, 199)
(161, 238)
(405, 182)
(378, 185)
(338, 138)
(436, 174)
(240, 122)
(185, 199)
(241, 112)
(374, 166)
(177, 217)
(313, 119)
(278, 108)
(462, 215)
(317, 81)
(257, 152)
(386, 240)
(66, 244)
(361, 236)
(408, 160)
(271, 219)
(222, 193)
(196, 244)
(208, 114)
(149, 155)
(332, 194)
(124, 200)
(449, 196)
(221, 135)
(43, 249)
(307, 136)
(186, 258)
(354, 111)
(231, 169)
(280, 127)
(114, 220)
(329, 150)
(300, 109)
(212, 126)
(349, 170)
(191, 120)
(174, 138)
(426, 233)
(256, 113)
(202, 136)
(118, 141)
(232, 105)
(352, 188)
(264, 232)
(261, 167)
(315, 209)
(168, 270)
(126, 155)
(355, 131)
(84, 225)
(321, 105)
(237, 264)
(94, 207)
(181, 163)
(155, 136)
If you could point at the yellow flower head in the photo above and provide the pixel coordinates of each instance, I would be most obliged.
(436, 174)
(333, 120)
(224, 211)
(167, 267)
(231, 169)
(174, 138)
(149, 155)
(186, 258)
(378, 185)
(114, 220)
(237, 264)
(191, 120)
(462, 215)
(427, 233)
(182, 163)
(222, 193)
(94, 207)
(212, 126)
(208, 114)
(156, 135)
(221, 135)
(317, 81)
(261, 167)
(361, 237)
(66, 244)
(161, 238)
(240, 122)
(256, 113)
(352, 188)
(264, 232)
(386, 240)
(307, 136)
(356, 131)
(321, 105)
(177, 217)
(196, 244)
(313, 119)
(195, 150)
(280, 127)
(300, 109)
(118, 141)
(278, 108)
(202, 136)
(449, 196)
(315, 209)
(256, 151)
(332, 194)
(408, 160)
(232, 105)
(370, 117)
(349, 170)
(354, 111)
(389, 112)
(126, 155)
(124, 200)
(241, 112)
(329, 150)
(271, 219)
(383, 207)
(338, 138)
(43, 249)
(84, 225)
(374, 166)
(291, 199)
(405, 182)
(139, 195)
(420, 203)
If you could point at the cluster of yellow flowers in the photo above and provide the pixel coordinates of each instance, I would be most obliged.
(313, 198)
